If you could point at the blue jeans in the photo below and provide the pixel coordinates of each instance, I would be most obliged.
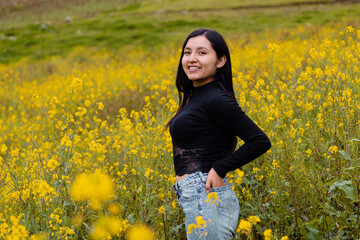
(221, 216)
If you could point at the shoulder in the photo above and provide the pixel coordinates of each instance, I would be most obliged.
(219, 103)
(217, 96)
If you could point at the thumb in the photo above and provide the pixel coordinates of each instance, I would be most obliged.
(208, 185)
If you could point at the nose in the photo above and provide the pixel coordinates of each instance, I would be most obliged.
(192, 57)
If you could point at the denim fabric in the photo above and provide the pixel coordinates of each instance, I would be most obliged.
(223, 215)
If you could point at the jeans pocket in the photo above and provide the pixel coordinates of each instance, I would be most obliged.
(188, 193)
(187, 197)
(228, 203)
(220, 189)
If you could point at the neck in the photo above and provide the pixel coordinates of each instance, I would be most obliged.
(203, 82)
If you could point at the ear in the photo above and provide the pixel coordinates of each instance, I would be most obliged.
(221, 61)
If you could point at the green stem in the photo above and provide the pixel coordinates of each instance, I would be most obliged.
(163, 217)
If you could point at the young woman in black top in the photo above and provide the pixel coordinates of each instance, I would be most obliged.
(204, 131)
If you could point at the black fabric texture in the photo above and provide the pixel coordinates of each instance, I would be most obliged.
(201, 131)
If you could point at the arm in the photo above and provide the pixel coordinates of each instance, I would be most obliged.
(228, 115)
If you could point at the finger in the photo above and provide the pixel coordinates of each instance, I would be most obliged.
(207, 186)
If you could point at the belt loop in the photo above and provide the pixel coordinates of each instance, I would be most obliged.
(176, 187)
(176, 190)
(203, 178)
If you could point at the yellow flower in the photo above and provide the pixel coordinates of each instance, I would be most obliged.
(66, 233)
(77, 220)
(123, 112)
(52, 164)
(333, 149)
(240, 173)
(267, 234)
(275, 163)
(95, 188)
(114, 208)
(81, 112)
(99, 233)
(173, 204)
(161, 209)
(272, 47)
(213, 198)
(191, 228)
(87, 103)
(100, 106)
(309, 152)
(244, 226)
(285, 238)
(200, 221)
(42, 189)
(107, 226)
(349, 29)
(39, 236)
(254, 219)
(17, 231)
(66, 141)
(35, 98)
(140, 232)
(75, 85)
(3, 149)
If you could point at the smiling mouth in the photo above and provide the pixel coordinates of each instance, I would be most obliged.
(193, 68)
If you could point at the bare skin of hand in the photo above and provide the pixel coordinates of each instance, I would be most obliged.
(213, 180)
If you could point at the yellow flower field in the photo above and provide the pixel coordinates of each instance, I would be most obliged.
(84, 153)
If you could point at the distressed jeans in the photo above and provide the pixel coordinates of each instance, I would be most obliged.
(221, 216)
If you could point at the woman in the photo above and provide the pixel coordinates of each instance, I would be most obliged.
(204, 131)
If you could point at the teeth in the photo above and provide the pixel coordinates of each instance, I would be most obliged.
(193, 68)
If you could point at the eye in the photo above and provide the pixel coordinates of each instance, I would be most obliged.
(202, 53)
(187, 52)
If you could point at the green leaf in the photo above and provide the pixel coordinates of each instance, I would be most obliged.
(131, 218)
(345, 155)
(331, 211)
(346, 187)
(355, 139)
(313, 234)
(177, 228)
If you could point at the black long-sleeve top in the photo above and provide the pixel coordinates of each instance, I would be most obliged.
(200, 133)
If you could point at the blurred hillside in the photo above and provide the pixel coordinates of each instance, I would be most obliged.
(41, 28)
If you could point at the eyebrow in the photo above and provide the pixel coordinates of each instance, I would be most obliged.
(197, 48)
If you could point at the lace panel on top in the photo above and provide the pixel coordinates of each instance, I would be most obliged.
(187, 161)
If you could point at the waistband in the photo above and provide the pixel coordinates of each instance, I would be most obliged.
(193, 178)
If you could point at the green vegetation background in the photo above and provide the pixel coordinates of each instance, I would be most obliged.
(36, 29)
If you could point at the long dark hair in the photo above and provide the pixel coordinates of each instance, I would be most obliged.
(223, 75)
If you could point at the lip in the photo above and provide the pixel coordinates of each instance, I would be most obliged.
(193, 68)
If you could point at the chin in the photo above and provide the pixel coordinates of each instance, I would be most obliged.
(194, 78)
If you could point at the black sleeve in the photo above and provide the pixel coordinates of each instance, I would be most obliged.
(226, 112)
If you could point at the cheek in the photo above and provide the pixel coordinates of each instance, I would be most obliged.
(212, 67)
(183, 63)
(211, 63)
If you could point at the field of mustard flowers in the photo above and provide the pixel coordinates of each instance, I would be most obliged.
(84, 153)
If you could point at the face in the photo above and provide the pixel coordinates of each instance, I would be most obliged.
(200, 61)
